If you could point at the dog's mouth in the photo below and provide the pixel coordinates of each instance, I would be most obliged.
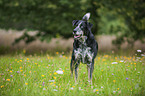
(77, 36)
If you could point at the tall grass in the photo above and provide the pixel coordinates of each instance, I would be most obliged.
(22, 75)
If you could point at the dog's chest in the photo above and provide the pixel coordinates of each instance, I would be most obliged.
(83, 53)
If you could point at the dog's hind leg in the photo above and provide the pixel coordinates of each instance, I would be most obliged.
(90, 68)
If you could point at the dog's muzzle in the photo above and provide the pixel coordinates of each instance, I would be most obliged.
(77, 34)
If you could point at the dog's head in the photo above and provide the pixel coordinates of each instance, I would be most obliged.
(83, 27)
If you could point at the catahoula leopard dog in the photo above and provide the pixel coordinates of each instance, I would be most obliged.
(85, 46)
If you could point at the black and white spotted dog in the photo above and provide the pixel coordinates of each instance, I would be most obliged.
(85, 46)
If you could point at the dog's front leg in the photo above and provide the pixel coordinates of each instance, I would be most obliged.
(76, 71)
(90, 68)
(72, 66)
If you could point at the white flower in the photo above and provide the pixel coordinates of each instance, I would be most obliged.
(59, 72)
(114, 62)
(72, 88)
(55, 90)
(114, 92)
(51, 80)
(138, 50)
(121, 60)
(102, 87)
(80, 88)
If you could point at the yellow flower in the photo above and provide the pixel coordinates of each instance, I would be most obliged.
(54, 77)
(2, 86)
(57, 52)
(42, 75)
(26, 83)
(117, 88)
(19, 89)
(114, 81)
(29, 71)
(40, 86)
(21, 70)
(102, 70)
(7, 79)
(11, 71)
(27, 58)
(50, 74)
(97, 90)
(134, 63)
(63, 70)
(73, 86)
(20, 60)
(20, 67)
(25, 75)
(55, 73)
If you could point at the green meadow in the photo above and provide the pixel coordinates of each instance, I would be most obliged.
(37, 75)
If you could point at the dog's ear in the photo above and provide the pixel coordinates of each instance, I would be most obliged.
(89, 25)
(86, 17)
(74, 22)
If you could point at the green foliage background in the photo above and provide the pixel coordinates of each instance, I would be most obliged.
(125, 18)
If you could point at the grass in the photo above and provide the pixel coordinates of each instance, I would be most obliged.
(113, 75)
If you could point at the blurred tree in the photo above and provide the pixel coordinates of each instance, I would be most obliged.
(126, 18)
(133, 13)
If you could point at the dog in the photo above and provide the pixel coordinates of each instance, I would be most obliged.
(85, 47)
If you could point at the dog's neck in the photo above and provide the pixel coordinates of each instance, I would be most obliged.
(82, 40)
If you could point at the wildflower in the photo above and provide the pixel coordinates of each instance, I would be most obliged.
(42, 75)
(55, 90)
(24, 51)
(55, 73)
(19, 89)
(43, 83)
(126, 78)
(117, 88)
(51, 80)
(80, 88)
(26, 83)
(20, 67)
(29, 71)
(71, 88)
(7, 79)
(114, 62)
(21, 70)
(114, 81)
(11, 71)
(44, 88)
(97, 90)
(27, 58)
(59, 72)
(138, 50)
(102, 87)
(112, 74)
(114, 92)
(11, 75)
(57, 53)
(18, 72)
(40, 86)
(54, 77)
(2, 86)
(20, 60)
(25, 75)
